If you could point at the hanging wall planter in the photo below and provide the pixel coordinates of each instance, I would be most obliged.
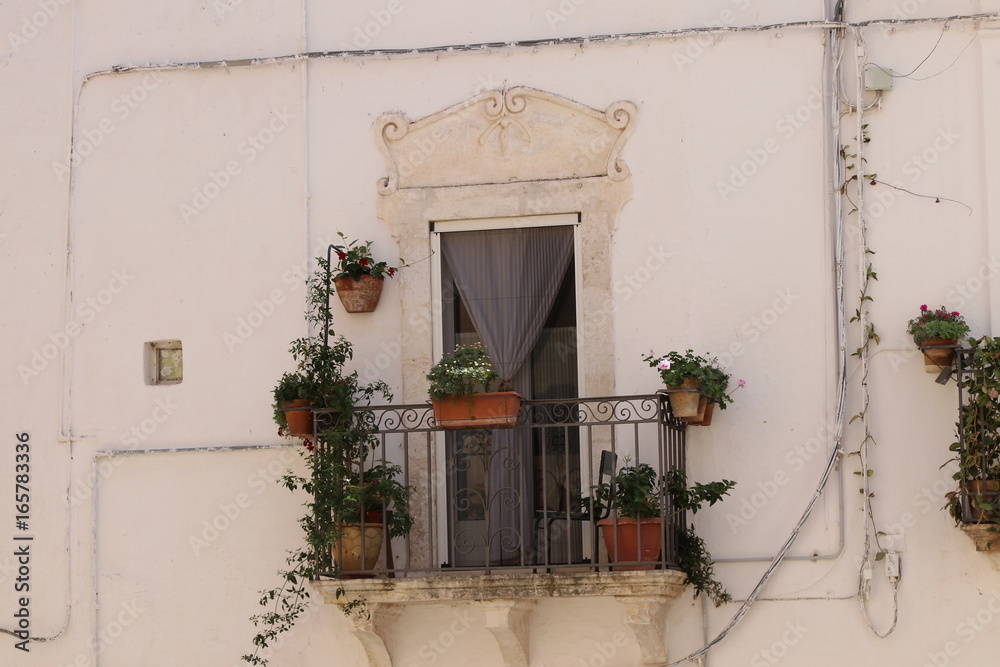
(938, 358)
(361, 295)
(298, 416)
(937, 327)
(684, 398)
(704, 416)
(695, 385)
(357, 276)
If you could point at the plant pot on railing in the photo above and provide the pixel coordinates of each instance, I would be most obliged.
(938, 358)
(298, 415)
(984, 500)
(487, 410)
(354, 545)
(629, 541)
(704, 416)
(684, 398)
(361, 295)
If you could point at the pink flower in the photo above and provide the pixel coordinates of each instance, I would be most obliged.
(664, 364)
(923, 307)
(742, 383)
(955, 313)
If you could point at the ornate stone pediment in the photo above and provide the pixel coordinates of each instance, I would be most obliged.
(504, 136)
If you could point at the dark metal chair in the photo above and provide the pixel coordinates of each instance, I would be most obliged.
(605, 472)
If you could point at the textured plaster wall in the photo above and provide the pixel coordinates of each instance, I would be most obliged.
(749, 274)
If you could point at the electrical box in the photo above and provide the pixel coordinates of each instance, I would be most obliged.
(878, 78)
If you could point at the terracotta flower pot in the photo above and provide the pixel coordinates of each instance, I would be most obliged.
(684, 401)
(489, 410)
(937, 359)
(625, 547)
(299, 417)
(347, 550)
(359, 296)
(704, 417)
(984, 492)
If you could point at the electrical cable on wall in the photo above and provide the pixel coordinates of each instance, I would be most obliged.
(831, 26)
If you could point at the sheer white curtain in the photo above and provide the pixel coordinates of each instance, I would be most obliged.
(508, 280)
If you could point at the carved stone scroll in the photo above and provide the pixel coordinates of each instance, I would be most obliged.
(504, 136)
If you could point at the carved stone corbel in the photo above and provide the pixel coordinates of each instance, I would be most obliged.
(370, 628)
(507, 620)
(986, 537)
(646, 616)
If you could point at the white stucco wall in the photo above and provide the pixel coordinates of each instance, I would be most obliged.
(288, 147)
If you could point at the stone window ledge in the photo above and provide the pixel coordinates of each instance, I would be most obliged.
(986, 537)
(508, 601)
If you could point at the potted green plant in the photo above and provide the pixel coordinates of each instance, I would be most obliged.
(294, 396)
(977, 450)
(933, 328)
(367, 503)
(633, 533)
(358, 277)
(460, 393)
(340, 484)
(694, 383)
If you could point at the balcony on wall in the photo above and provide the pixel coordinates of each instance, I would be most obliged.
(975, 504)
(521, 499)
(504, 517)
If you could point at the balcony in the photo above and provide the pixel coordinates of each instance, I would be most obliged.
(492, 501)
(507, 516)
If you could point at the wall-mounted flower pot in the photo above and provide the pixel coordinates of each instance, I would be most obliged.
(490, 410)
(359, 296)
(622, 539)
(298, 415)
(704, 416)
(936, 359)
(684, 398)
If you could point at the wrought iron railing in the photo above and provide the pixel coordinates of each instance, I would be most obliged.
(978, 439)
(522, 498)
